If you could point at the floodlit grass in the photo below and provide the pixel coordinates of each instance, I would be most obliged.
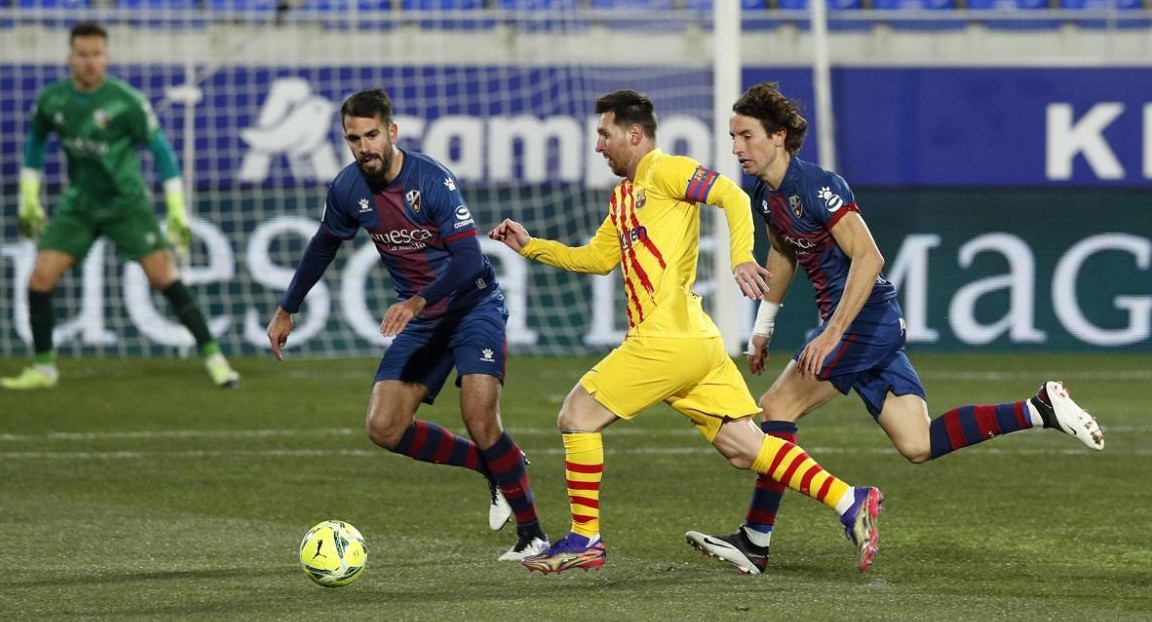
(137, 491)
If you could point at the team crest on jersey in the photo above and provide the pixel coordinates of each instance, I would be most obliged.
(831, 200)
(100, 118)
(796, 205)
(413, 199)
(639, 198)
(364, 207)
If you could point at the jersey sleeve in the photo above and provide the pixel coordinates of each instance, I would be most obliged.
(447, 208)
(142, 122)
(683, 177)
(336, 219)
(37, 140)
(833, 200)
(599, 256)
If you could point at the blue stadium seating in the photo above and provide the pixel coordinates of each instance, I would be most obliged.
(146, 13)
(537, 15)
(61, 19)
(754, 14)
(361, 14)
(265, 8)
(895, 6)
(448, 5)
(1009, 7)
(1119, 6)
(835, 7)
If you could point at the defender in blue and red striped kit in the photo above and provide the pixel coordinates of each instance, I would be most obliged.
(814, 222)
(451, 311)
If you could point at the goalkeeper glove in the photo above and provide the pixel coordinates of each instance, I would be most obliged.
(31, 218)
(179, 234)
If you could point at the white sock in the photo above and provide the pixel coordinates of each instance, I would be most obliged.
(845, 502)
(1034, 415)
(757, 537)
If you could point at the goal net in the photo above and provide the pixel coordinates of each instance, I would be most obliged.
(248, 92)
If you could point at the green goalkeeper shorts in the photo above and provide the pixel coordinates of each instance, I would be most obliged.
(131, 225)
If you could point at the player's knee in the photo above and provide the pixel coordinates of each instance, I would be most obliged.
(772, 408)
(916, 452)
(384, 430)
(741, 461)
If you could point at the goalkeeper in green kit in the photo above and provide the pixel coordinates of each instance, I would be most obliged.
(101, 123)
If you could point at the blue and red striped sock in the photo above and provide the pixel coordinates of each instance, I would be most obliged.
(975, 423)
(428, 442)
(506, 463)
(769, 493)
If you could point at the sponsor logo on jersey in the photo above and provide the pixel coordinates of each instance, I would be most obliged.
(294, 123)
(831, 200)
(402, 239)
(630, 237)
(463, 217)
(764, 206)
(796, 205)
(486, 355)
(364, 206)
(413, 199)
(639, 198)
(802, 245)
(101, 117)
(58, 118)
(448, 183)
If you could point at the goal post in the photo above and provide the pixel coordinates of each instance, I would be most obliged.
(249, 99)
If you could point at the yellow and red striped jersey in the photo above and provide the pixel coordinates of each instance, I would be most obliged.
(652, 232)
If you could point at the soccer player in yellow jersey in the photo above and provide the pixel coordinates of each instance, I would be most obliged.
(672, 352)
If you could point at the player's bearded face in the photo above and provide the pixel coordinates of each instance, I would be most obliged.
(88, 59)
(612, 142)
(371, 143)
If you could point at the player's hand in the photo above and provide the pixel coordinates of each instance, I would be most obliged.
(750, 276)
(31, 219)
(511, 233)
(811, 359)
(278, 330)
(399, 314)
(179, 233)
(757, 353)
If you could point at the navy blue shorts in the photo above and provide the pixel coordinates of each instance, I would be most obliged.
(474, 342)
(871, 357)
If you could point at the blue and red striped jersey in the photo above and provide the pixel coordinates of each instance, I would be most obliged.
(803, 210)
(415, 222)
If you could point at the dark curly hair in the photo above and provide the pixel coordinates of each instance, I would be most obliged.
(765, 102)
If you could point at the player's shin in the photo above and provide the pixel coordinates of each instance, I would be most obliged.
(583, 468)
(790, 465)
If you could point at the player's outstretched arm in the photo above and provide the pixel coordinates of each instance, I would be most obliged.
(511, 233)
(278, 330)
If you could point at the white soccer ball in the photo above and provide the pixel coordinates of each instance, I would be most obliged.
(333, 553)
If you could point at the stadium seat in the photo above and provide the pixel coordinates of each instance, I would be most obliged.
(538, 15)
(362, 14)
(245, 8)
(1026, 8)
(754, 14)
(1119, 6)
(920, 7)
(59, 17)
(835, 8)
(161, 13)
(451, 23)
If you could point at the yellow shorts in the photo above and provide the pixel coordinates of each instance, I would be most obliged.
(694, 376)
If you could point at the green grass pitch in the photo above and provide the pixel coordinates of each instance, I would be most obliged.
(136, 491)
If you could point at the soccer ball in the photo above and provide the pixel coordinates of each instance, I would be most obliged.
(333, 553)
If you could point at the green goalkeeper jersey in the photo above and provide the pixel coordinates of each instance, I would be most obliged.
(101, 133)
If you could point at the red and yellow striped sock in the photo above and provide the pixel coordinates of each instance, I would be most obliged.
(788, 464)
(583, 467)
